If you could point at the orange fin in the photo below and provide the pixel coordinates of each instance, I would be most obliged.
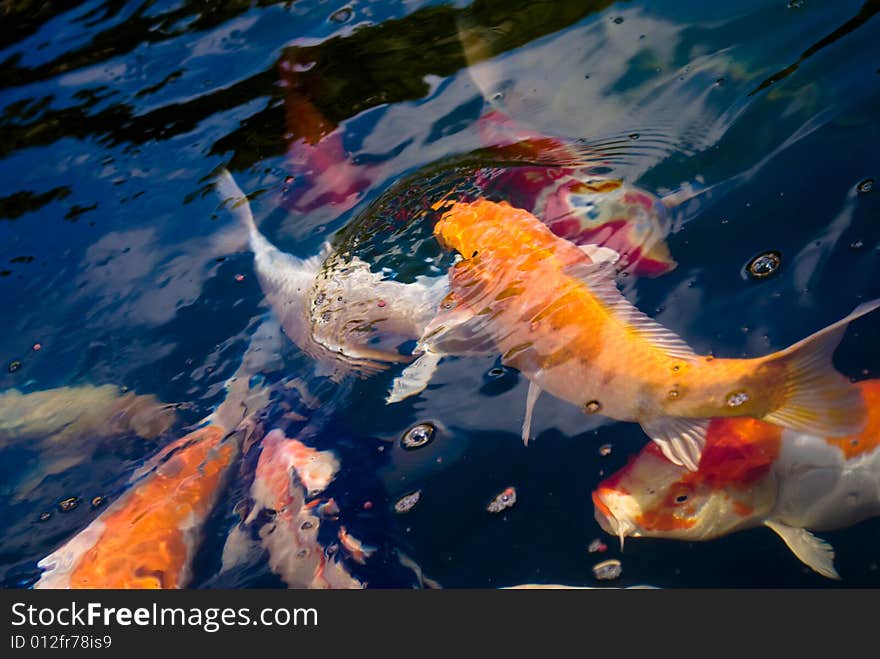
(819, 400)
(680, 439)
(599, 278)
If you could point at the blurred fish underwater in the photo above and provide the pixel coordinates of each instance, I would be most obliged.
(220, 281)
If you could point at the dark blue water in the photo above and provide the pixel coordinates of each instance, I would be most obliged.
(113, 116)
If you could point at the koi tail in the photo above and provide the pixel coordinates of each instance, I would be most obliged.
(817, 399)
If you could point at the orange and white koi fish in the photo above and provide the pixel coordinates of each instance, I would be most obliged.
(287, 474)
(556, 314)
(147, 538)
(751, 474)
(66, 424)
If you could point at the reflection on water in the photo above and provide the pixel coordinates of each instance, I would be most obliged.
(699, 135)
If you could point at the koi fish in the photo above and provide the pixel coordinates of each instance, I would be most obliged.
(348, 319)
(556, 315)
(66, 424)
(288, 473)
(148, 537)
(752, 474)
(575, 203)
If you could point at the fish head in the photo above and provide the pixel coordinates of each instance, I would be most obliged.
(733, 488)
(591, 210)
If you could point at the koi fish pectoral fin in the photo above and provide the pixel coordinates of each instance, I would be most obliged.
(818, 399)
(414, 377)
(531, 399)
(681, 440)
(812, 551)
(600, 254)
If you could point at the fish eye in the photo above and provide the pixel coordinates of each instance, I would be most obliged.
(681, 498)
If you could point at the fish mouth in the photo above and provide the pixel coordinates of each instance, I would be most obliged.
(609, 517)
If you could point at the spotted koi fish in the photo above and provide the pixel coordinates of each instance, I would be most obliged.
(752, 474)
(556, 314)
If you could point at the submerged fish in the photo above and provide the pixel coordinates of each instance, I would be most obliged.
(66, 424)
(751, 474)
(148, 537)
(347, 318)
(289, 473)
(556, 314)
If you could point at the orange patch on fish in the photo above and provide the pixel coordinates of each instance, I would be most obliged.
(145, 541)
(869, 439)
(738, 452)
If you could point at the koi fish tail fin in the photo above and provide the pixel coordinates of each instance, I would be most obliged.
(817, 399)
(237, 203)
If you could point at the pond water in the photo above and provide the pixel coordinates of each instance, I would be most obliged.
(755, 121)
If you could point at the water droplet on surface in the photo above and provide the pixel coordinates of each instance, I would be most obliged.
(503, 501)
(795, 4)
(858, 244)
(418, 436)
(37, 346)
(866, 186)
(597, 546)
(634, 136)
(592, 407)
(720, 81)
(66, 505)
(14, 365)
(605, 450)
(618, 19)
(607, 570)
(672, 394)
(98, 501)
(45, 516)
(496, 372)
(341, 15)
(764, 265)
(407, 502)
(737, 398)
(239, 277)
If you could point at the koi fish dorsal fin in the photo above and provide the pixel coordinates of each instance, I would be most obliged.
(812, 551)
(817, 399)
(599, 278)
(681, 440)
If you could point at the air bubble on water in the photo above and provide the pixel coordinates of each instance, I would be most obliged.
(14, 365)
(866, 186)
(795, 4)
(418, 436)
(341, 15)
(407, 502)
(607, 570)
(764, 265)
(634, 136)
(618, 20)
(858, 244)
(605, 450)
(503, 501)
(66, 505)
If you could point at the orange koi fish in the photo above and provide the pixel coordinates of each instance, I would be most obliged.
(751, 474)
(557, 316)
(147, 538)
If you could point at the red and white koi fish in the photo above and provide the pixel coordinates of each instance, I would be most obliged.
(289, 473)
(751, 474)
(557, 316)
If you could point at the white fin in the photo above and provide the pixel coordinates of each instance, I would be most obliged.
(531, 399)
(817, 399)
(812, 551)
(600, 254)
(599, 278)
(680, 439)
(414, 377)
